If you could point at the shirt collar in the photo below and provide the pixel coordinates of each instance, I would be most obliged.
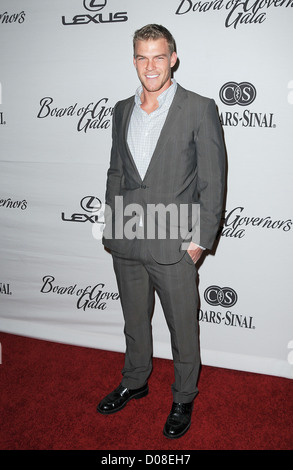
(162, 98)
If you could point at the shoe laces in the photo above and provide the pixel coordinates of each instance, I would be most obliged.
(180, 408)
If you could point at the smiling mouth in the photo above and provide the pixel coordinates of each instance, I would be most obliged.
(152, 76)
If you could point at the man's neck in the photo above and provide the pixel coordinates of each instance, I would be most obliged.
(149, 99)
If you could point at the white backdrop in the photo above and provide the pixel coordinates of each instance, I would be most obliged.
(63, 66)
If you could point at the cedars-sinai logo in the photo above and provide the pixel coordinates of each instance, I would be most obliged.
(224, 296)
(243, 94)
(222, 299)
(94, 14)
(240, 12)
(232, 93)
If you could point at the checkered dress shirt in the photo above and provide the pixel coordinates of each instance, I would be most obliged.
(144, 129)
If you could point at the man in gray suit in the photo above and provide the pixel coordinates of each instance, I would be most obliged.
(164, 201)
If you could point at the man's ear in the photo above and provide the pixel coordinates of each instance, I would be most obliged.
(173, 59)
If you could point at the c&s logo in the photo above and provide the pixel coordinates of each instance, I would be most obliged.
(243, 93)
(225, 296)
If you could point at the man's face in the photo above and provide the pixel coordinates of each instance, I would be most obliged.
(153, 63)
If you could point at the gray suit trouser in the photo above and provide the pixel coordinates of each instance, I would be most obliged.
(175, 284)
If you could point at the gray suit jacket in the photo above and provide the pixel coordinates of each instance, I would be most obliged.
(187, 170)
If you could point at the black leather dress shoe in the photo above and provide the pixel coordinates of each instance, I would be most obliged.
(117, 399)
(179, 420)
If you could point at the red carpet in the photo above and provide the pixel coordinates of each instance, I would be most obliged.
(49, 394)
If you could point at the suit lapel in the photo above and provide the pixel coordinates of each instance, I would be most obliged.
(126, 120)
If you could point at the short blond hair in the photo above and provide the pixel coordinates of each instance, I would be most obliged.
(154, 31)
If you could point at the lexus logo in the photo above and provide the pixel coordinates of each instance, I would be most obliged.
(95, 15)
(93, 5)
(224, 296)
(91, 204)
(232, 93)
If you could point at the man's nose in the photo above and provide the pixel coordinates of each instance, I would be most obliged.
(150, 64)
